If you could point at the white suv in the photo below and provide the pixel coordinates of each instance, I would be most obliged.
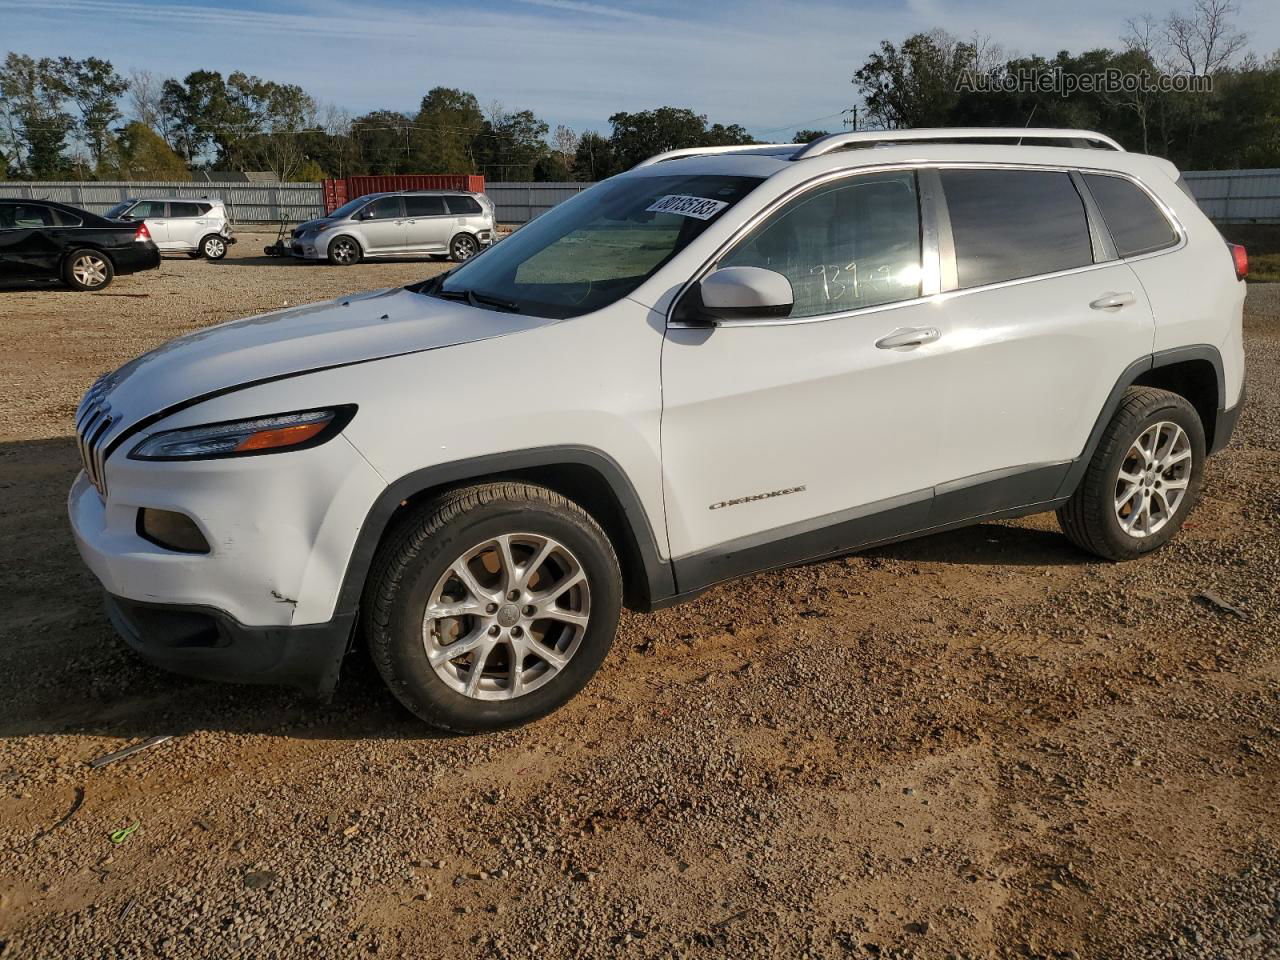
(718, 363)
(198, 228)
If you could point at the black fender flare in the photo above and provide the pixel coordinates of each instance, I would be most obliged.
(1162, 358)
(656, 572)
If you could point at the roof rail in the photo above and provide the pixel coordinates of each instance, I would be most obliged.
(838, 141)
(699, 151)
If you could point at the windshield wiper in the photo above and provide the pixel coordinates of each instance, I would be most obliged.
(476, 299)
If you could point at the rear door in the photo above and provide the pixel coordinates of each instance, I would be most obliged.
(427, 224)
(382, 226)
(1044, 321)
(187, 224)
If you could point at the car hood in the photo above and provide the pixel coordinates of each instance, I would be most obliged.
(349, 330)
(302, 228)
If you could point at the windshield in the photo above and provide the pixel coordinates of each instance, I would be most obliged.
(596, 248)
(118, 209)
(348, 208)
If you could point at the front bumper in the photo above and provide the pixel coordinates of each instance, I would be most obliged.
(208, 644)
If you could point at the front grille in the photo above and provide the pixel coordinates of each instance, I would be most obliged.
(93, 420)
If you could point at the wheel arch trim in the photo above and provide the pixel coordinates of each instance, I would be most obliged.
(1131, 374)
(655, 571)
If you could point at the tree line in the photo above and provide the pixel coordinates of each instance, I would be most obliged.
(62, 118)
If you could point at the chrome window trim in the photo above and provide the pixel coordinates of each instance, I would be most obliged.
(942, 296)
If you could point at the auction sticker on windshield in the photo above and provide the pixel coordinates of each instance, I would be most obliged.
(700, 208)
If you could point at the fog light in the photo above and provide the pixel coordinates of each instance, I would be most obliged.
(173, 531)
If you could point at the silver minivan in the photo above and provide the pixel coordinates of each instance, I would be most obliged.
(409, 224)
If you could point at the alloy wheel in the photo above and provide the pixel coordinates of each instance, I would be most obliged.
(1153, 479)
(344, 251)
(464, 248)
(507, 616)
(89, 270)
(214, 248)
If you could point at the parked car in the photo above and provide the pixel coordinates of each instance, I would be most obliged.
(721, 362)
(409, 224)
(198, 228)
(45, 240)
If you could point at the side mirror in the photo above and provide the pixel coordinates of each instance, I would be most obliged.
(743, 294)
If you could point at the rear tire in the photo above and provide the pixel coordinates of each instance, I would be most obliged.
(88, 269)
(213, 247)
(1144, 478)
(540, 621)
(463, 247)
(344, 252)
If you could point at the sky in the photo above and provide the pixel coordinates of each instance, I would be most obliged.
(772, 67)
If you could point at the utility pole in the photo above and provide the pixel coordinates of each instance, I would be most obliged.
(850, 118)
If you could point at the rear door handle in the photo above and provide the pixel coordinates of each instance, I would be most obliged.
(909, 337)
(1113, 301)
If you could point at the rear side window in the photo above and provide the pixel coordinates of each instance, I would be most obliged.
(848, 245)
(424, 206)
(463, 206)
(185, 209)
(1009, 224)
(66, 219)
(1137, 225)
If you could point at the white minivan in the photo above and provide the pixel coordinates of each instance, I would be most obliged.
(198, 228)
(721, 362)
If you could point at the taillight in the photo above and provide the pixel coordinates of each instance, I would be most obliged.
(142, 233)
(1241, 259)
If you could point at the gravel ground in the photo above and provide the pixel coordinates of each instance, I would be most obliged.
(982, 744)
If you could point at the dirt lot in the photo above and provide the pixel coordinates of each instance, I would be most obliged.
(982, 744)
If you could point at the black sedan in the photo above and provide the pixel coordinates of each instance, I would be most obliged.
(41, 239)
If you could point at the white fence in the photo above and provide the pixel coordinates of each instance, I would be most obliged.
(1227, 196)
(271, 202)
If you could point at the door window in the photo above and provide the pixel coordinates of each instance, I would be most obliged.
(384, 208)
(463, 206)
(424, 206)
(843, 246)
(1009, 224)
(66, 219)
(24, 216)
(1136, 223)
(177, 209)
(145, 209)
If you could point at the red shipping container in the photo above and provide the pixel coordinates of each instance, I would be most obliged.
(339, 191)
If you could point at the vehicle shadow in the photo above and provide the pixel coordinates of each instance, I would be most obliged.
(63, 670)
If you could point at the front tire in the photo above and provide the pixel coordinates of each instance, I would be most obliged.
(88, 270)
(213, 247)
(1144, 478)
(492, 605)
(344, 252)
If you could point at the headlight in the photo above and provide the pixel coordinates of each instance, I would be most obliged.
(245, 438)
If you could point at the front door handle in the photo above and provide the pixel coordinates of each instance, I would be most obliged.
(909, 337)
(1113, 301)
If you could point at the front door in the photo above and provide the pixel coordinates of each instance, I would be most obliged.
(798, 438)
(156, 215)
(382, 226)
